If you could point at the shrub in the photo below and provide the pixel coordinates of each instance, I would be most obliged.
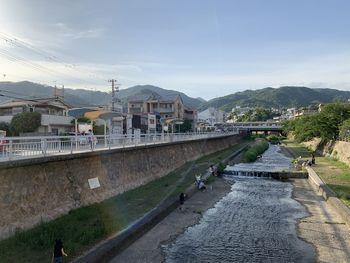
(273, 139)
(252, 153)
(25, 122)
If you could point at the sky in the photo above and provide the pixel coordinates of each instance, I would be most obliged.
(204, 48)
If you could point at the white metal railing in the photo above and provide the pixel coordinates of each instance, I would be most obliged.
(15, 148)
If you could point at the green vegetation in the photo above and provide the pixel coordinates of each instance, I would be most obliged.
(254, 150)
(257, 114)
(344, 130)
(185, 127)
(81, 120)
(4, 126)
(25, 122)
(324, 124)
(274, 139)
(86, 226)
(297, 149)
(333, 172)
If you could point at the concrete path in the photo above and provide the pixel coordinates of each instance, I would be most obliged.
(148, 248)
(324, 229)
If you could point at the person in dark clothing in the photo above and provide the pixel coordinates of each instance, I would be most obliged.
(58, 252)
(313, 159)
(182, 200)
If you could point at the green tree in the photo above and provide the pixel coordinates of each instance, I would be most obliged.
(81, 120)
(344, 130)
(257, 114)
(5, 127)
(25, 122)
(324, 124)
(330, 118)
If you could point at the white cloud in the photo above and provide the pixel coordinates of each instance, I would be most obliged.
(331, 71)
(70, 32)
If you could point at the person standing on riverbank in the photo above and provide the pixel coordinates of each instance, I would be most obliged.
(58, 252)
(182, 200)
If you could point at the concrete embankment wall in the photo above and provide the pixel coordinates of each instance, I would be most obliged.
(36, 190)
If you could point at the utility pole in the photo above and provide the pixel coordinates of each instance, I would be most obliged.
(115, 88)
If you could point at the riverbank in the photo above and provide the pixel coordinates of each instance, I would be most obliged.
(323, 228)
(87, 226)
(148, 249)
(333, 172)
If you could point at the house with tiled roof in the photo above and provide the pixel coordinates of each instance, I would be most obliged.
(168, 107)
(54, 118)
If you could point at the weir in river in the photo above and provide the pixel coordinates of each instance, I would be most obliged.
(255, 222)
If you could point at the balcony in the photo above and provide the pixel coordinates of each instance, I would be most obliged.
(55, 120)
(164, 110)
(45, 119)
(135, 110)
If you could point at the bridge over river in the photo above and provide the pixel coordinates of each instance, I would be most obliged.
(258, 126)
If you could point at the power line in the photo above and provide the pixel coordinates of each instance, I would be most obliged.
(38, 67)
(21, 44)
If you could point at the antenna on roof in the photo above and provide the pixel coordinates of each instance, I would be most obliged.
(58, 93)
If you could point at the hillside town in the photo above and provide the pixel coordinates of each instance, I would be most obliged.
(145, 113)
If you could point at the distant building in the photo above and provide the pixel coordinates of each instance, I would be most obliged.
(54, 119)
(165, 108)
(211, 116)
(305, 112)
(237, 112)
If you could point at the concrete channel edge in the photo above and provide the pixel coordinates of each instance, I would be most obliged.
(106, 250)
(330, 197)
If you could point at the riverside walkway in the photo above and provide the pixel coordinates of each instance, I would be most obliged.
(17, 148)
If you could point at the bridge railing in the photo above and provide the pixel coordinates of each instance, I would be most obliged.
(14, 148)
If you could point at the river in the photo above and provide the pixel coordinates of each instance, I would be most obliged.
(255, 222)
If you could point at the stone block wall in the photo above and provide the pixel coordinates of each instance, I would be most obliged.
(39, 190)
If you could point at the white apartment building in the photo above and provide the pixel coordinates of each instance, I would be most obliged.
(211, 116)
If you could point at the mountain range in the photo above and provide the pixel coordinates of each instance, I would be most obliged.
(286, 96)
(83, 97)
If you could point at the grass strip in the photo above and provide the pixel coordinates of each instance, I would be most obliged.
(334, 173)
(84, 227)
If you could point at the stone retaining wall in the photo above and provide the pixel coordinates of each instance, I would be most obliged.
(39, 190)
(337, 149)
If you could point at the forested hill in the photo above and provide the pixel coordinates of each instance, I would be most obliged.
(287, 96)
(83, 97)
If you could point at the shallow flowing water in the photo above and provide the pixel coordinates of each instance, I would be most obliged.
(255, 222)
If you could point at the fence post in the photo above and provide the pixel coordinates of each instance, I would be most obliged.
(43, 146)
(59, 145)
(10, 149)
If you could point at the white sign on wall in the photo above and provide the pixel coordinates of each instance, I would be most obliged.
(84, 127)
(94, 183)
(151, 121)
